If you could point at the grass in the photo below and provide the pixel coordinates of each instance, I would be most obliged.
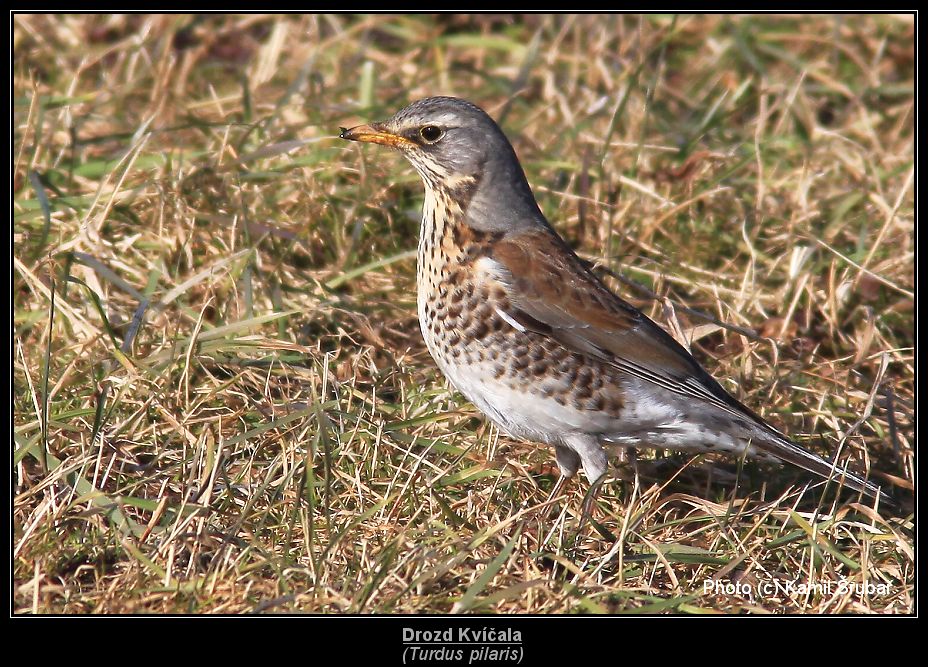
(222, 403)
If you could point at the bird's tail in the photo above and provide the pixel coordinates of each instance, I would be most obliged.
(778, 446)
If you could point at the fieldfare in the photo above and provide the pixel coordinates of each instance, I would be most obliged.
(525, 330)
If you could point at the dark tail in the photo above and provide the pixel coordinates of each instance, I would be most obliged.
(789, 452)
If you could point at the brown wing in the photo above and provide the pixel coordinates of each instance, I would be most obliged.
(552, 292)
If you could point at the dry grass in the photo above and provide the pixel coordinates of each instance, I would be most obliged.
(222, 403)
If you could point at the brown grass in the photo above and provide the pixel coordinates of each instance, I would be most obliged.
(222, 403)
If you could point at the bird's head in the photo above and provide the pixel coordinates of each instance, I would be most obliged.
(451, 143)
(444, 138)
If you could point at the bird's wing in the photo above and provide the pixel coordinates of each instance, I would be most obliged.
(550, 291)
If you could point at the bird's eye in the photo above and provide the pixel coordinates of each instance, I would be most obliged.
(431, 133)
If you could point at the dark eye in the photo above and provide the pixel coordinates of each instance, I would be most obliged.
(431, 133)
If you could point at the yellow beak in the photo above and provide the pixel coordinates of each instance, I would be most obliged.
(375, 133)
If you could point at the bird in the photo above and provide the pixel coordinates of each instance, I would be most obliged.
(527, 332)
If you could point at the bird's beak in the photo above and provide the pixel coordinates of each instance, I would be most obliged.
(375, 133)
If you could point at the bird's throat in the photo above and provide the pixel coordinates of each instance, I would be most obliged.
(447, 242)
(441, 214)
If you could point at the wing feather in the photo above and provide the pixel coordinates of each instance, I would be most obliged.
(551, 291)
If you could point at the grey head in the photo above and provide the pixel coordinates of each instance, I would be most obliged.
(459, 149)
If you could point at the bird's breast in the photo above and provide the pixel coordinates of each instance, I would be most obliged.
(529, 384)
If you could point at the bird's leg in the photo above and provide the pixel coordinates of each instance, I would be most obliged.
(595, 462)
(568, 462)
(588, 501)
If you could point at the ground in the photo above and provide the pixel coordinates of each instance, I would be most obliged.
(222, 403)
